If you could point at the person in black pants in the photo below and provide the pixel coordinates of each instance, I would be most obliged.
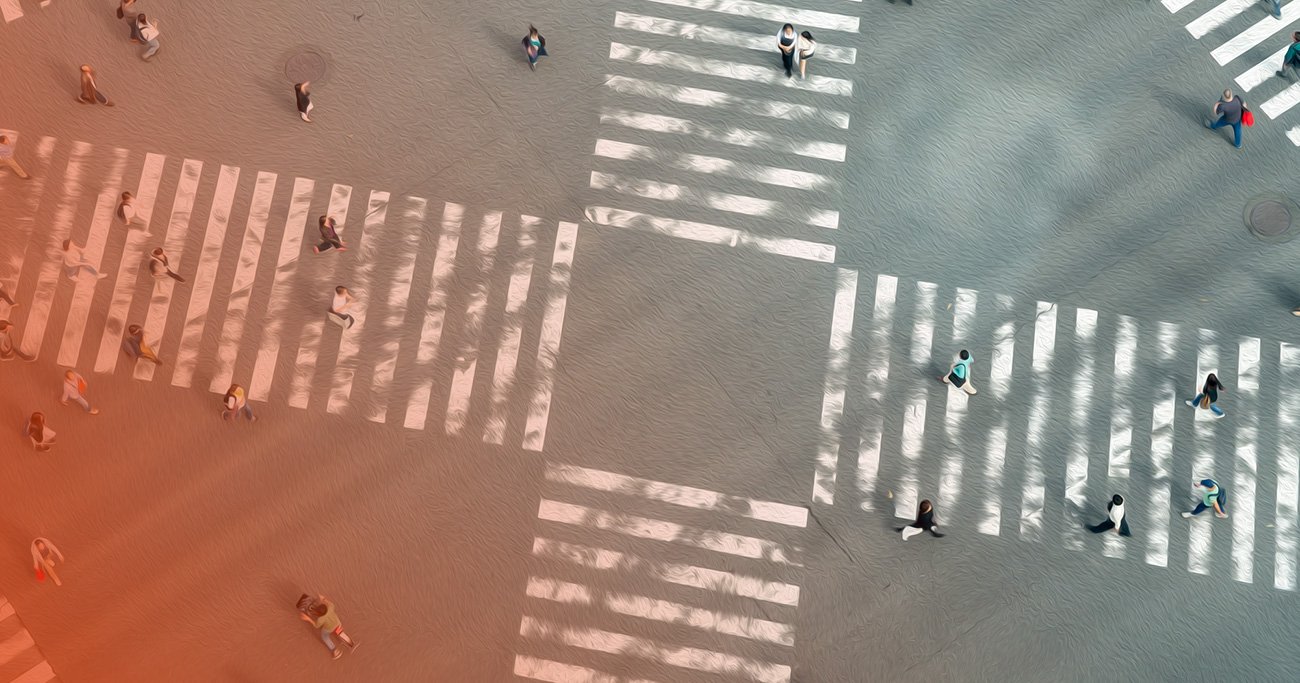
(786, 42)
(924, 522)
(1115, 518)
(329, 235)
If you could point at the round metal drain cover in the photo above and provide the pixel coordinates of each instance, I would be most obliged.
(307, 65)
(1271, 218)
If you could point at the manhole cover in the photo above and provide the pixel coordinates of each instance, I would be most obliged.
(1270, 218)
(307, 65)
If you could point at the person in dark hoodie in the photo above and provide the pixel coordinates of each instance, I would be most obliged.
(1115, 518)
(924, 522)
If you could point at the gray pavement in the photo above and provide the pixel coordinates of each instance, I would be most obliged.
(1030, 181)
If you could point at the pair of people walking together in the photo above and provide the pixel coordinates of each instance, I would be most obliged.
(795, 50)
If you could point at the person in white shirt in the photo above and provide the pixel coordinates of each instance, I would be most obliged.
(74, 261)
(7, 157)
(74, 388)
(342, 300)
(159, 267)
(1115, 518)
(149, 34)
(43, 554)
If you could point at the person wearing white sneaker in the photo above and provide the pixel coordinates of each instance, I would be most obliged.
(74, 262)
(1114, 518)
(959, 374)
(1214, 497)
(74, 388)
(1209, 395)
(924, 522)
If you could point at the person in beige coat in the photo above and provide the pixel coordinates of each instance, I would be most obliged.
(90, 93)
(43, 558)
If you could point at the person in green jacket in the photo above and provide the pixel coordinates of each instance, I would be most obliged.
(1212, 498)
(1291, 60)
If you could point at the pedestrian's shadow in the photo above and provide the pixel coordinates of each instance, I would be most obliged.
(1183, 106)
(511, 44)
(1286, 294)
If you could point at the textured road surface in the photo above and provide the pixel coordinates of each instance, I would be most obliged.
(1005, 165)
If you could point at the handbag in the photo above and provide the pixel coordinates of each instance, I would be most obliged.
(956, 379)
(1247, 117)
(40, 573)
(1205, 402)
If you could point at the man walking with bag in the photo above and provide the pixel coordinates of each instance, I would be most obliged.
(1231, 111)
(959, 374)
(43, 554)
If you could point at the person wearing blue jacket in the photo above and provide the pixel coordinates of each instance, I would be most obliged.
(1291, 60)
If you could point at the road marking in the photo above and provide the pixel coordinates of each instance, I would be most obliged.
(1243, 42)
(713, 580)
(666, 532)
(241, 287)
(304, 367)
(740, 137)
(699, 163)
(1218, 16)
(1261, 72)
(1001, 363)
(950, 471)
(417, 410)
(548, 343)
(1033, 494)
(556, 672)
(837, 362)
(1281, 102)
(11, 9)
(877, 379)
(512, 328)
(1120, 453)
(372, 251)
(74, 327)
(196, 316)
(38, 316)
(1242, 498)
(772, 13)
(23, 227)
(711, 234)
(462, 381)
(913, 438)
(1199, 537)
(1288, 470)
(41, 673)
(760, 42)
(278, 299)
(701, 97)
(177, 230)
(1175, 5)
(673, 655)
(16, 644)
(1162, 450)
(676, 494)
(720, 68)
(410, 228)
(1082, 390)
(721, 201)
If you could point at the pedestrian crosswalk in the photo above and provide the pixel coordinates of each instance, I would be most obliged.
(20, 660)
(701, 130)
(252, 307)
(1247, 38)
(636, 579)
(1073, 405)
(13, 9)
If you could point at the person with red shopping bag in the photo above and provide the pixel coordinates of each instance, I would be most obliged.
(1231, 111)
(43, 554)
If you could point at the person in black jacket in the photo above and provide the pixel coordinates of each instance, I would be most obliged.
(924, 522)
(1115, 518)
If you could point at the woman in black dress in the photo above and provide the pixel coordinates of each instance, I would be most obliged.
(303, 94)
(924, 522)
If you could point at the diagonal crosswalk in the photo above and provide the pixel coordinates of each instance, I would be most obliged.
(702, 132)
(21, 660)
(1073, 405)
(252, 307)
(629, 575)
(1247, 38)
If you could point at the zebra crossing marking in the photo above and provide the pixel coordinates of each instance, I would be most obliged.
(196, 314)
(47, 282)
(548, 343)
(371, 250)
(309, 344)
(503, 375)
(462, 381)
(286, 267)
(444, 264)
(1288, 481)
(412, 223)
(877, 378)
(241, 287)
(83, 294)
(177, 231)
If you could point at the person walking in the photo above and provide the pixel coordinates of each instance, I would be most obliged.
(1277, 8)
(74, 388)
(1213, 498)
(124, 11)
(959, 374)
(126, 209)
(74, 261)
(159, 268)
(8, 349)
(41, 436)
(7, 158)
(1114, 518)
(4, 296)
(1209, 395)
(149, 34)
(136, 347)
(534, 46)
(1230, 110)
(1291, 60)
(329, 236)
(343, 299)
(324, 617)
(924, 522)
(124, 8)
(90, 93)
(235, 403)
(302, 93)
(787, 45)
(807, 46)
(43, 559)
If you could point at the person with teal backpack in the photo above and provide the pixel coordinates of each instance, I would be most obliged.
(1214, 497)
(959, 374)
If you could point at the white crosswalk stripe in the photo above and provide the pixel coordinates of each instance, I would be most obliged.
(662, 168)
(648, 612)
(21, 660)
(1246, 38)
(240, 316)
(1071, 434)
